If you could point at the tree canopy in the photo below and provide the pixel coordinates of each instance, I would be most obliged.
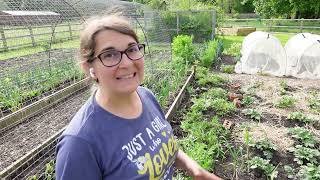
(264, 8)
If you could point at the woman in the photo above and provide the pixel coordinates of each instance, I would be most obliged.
(120, 132)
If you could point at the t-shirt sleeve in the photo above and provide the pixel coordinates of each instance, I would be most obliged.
(76, 160)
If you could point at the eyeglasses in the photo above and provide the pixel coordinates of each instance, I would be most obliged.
(112, 58)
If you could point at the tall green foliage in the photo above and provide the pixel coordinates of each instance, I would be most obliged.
(211, 54)
(182, 47)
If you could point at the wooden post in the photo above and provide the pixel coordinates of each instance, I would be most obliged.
(301, 25)
(31, 36)
(3, 38)
(70, 30)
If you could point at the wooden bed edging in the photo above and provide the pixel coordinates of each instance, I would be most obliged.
(34, 108)
(29, 157)
(176, 103)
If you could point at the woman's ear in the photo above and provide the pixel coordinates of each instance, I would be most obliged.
(92, 73)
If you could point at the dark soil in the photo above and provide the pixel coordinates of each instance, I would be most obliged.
(21, 139)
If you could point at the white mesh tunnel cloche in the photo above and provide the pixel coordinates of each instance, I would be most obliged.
(303, 56)
(262, 53)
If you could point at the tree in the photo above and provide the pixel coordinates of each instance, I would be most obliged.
(287, 8)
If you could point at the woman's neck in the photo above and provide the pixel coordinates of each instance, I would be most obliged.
(128, 106)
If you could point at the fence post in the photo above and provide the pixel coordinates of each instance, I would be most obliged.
(31, 36)
(301, 25)
(70, 30)
(177, 23)
(53, 34)
(3, 38)
(213, 24)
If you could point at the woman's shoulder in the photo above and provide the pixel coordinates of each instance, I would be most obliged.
(81, 120)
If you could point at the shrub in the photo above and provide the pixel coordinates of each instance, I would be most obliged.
(182, 47)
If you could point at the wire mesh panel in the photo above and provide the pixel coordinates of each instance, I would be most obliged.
(38, 47)
(200, 24)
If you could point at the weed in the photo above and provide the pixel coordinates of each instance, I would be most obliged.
(286, 102)
(252, 113)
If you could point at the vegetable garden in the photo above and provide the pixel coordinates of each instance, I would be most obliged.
(237, 126)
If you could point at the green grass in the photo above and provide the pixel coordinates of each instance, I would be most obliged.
(33, 50)
(228, 40)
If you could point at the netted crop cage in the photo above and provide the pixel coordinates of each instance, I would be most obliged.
(39, 43)
(200, 24)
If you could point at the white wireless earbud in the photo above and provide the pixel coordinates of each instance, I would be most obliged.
(91, 71)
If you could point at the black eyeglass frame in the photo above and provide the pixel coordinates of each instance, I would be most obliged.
(121, 53)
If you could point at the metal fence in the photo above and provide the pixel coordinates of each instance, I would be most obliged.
(277, 25)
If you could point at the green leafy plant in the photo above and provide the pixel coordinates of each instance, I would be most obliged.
(299, 116)
(247, 100)
(264, 165)
(229, 69)
(310, 171)
(252, 113)
(290, 171)
(210, 54)
(265, 146)
(286, 102)
(215, 93)
(34, 177)
(304, 136)
(233, 50)
(314, 101)
(304, 154)
(213, 80)
(182, 47)
(222, 107)
(283, 87)
(49, 171)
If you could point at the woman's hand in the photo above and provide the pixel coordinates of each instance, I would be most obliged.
(193, 169)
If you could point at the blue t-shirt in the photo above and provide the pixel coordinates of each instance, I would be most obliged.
(99, 145)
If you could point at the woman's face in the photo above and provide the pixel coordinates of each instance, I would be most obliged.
(123, 78)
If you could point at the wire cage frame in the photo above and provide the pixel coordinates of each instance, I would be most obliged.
(39, 42)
